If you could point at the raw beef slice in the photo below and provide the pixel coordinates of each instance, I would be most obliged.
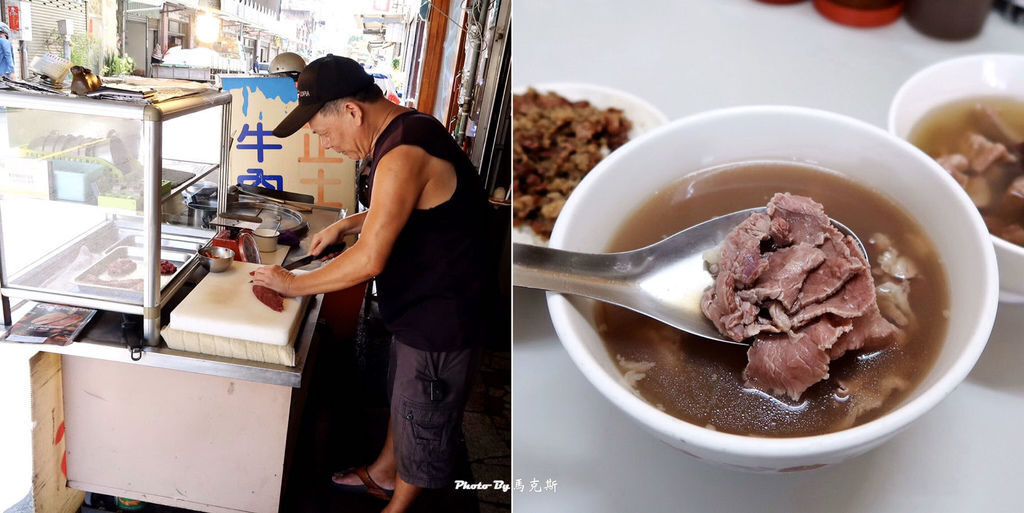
(268, 297)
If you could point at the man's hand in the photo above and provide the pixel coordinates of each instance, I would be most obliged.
(324, 238)
(274, 277)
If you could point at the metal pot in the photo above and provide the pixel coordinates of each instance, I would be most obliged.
(201, 200)
(200, 213)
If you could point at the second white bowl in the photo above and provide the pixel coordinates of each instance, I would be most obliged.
(956, 79)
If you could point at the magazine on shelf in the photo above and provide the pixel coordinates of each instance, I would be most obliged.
(48, 323)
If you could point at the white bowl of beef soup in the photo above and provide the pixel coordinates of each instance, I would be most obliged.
(958, 98)
(760, 150)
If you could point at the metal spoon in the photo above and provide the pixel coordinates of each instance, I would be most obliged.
(664, 281)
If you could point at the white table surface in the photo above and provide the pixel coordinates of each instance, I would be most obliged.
(686, 56)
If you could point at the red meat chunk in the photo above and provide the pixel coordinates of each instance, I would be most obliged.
(268, 297)
(167, 267)
(121, 267)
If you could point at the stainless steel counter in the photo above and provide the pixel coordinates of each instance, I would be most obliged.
(102, 338)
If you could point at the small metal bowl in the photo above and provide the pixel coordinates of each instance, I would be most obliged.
(216, 259)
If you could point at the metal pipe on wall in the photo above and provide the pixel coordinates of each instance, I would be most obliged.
(23, 50)
(122, 15)
(164, 23)
(467, 87)
(490, 146)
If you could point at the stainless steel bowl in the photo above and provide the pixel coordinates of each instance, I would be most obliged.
(216, 259)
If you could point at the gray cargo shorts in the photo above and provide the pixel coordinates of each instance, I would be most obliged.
(428, 393)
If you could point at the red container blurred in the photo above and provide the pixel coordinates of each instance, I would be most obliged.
(860, 13)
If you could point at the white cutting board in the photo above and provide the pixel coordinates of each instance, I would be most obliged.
(223, 304)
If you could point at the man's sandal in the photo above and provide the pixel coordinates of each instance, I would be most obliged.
(369, 486)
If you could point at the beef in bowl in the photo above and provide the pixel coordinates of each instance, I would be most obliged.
(722, 161)
(980, 142)
(769, 390)
(965, 108)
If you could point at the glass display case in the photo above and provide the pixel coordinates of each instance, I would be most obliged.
(91, 210)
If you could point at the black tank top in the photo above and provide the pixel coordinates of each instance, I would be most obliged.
(431, 292)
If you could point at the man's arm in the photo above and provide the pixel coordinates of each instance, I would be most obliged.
(400, 178)
(350, 225)
(353, 224)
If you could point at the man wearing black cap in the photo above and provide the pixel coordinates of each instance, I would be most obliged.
(422, 240)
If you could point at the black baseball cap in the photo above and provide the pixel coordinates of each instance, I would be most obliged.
(325, 79)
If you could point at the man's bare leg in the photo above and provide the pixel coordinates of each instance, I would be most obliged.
(383, 470)
(405, 495)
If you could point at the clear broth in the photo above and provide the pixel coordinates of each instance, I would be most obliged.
(939, 133)
(700, 381)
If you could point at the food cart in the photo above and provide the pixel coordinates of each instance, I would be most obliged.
(85, 183)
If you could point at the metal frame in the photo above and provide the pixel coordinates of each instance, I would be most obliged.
(77, 105)
(163, 111)
(151, 131)
(224, 177)
(166, 358)
(151, 117)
